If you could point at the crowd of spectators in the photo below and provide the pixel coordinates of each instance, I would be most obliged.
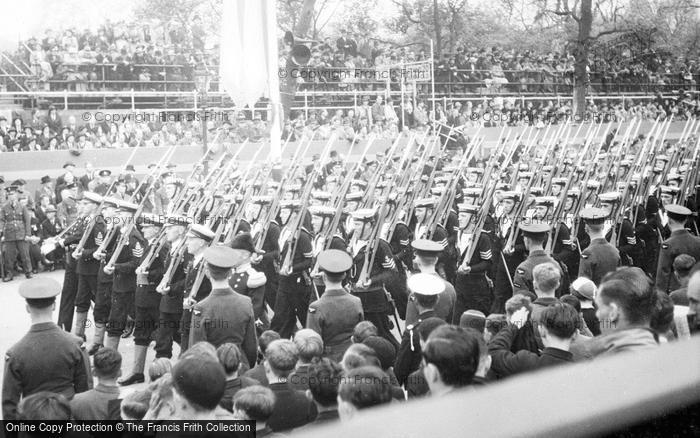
(376, 115)
(117, 55)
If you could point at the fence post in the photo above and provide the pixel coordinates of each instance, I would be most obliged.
(133, 100)
(194, 94)
(65, 99)
(306, 105)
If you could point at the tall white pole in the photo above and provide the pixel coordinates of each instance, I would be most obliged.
(432, 75)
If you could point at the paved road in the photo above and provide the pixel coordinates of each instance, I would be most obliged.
(14, 323)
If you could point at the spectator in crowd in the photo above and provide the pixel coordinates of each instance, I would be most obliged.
(162, 403)
(362, 331)
(255, 403)
(585, 290)
(546, 279)
(325, 376)
(557, 328)
(134, 405)
(258, 371)
(44, 406)
(198, 385)
(582, 329)
(229, 356)
(94, 404)
(451, 358)
(292, 407)
(682, 266)
(158, 368)
(309, 346)
(362, 388)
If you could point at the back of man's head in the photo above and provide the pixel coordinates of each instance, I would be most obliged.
(281, 356)
(662, 314)
(365, 387)
(428, 325)
(636, 305)
(200, 381)
(107, 363)
(309, 345)
(359, 355)
(363, 330)
(229, 356)
(683, 264)
(324, 378)
(455, 354)
(255, 403)
(266, 338)
(560, 320)
(517, 302)
(546, 278)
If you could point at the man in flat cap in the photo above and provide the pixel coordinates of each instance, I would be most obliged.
(224, 316)
(534, 236)
(15, 230)
(335, 315)
(600, 257)
(46, 358)
(679, 242)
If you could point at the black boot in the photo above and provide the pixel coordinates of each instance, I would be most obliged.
(132, 379)
(129, 329)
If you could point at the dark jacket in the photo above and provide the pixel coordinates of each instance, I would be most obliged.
(506, 363)
(292, 408)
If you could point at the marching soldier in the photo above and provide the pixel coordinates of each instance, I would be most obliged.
(124, 269)
(46, 358)
(371, 290)
(472, 285)
(335, 315)
(507, 258)
(321, 218)
(247, 281)
(294, 293)
(103, 294)
(199, 238)
(600, 257)
(679, 242)
(630, 252)
(534, 237)
(88, 266)
(224, 316)
(172, 293)
(268, 261)
(421, 230)
(146, 299)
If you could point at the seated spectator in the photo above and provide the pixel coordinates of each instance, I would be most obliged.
(662, 317)
(258, 371)
(585, 290)
(359, 355)
(362, 331)
(545, 279)
(362, 388)
(386, 353)
(162, 404)
(230, 358)
(44, 406)
(158, 368)
(325, 376)
(94, 404)
(581, 328)
(198, 385)
(682, 266)
(255, 403)
(135, 405)
(292, 407)
(557, 328)
(309, 346)
(451, 358)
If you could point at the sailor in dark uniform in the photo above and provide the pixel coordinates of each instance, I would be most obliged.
(335, 315)
(199, 238)
(46, 358)
(679, 242)
(421, 229)
(630, 250)
(472, 286)
(600, 257)
(371, 290)
(267, 261)
(294, 293)
(321, 218)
